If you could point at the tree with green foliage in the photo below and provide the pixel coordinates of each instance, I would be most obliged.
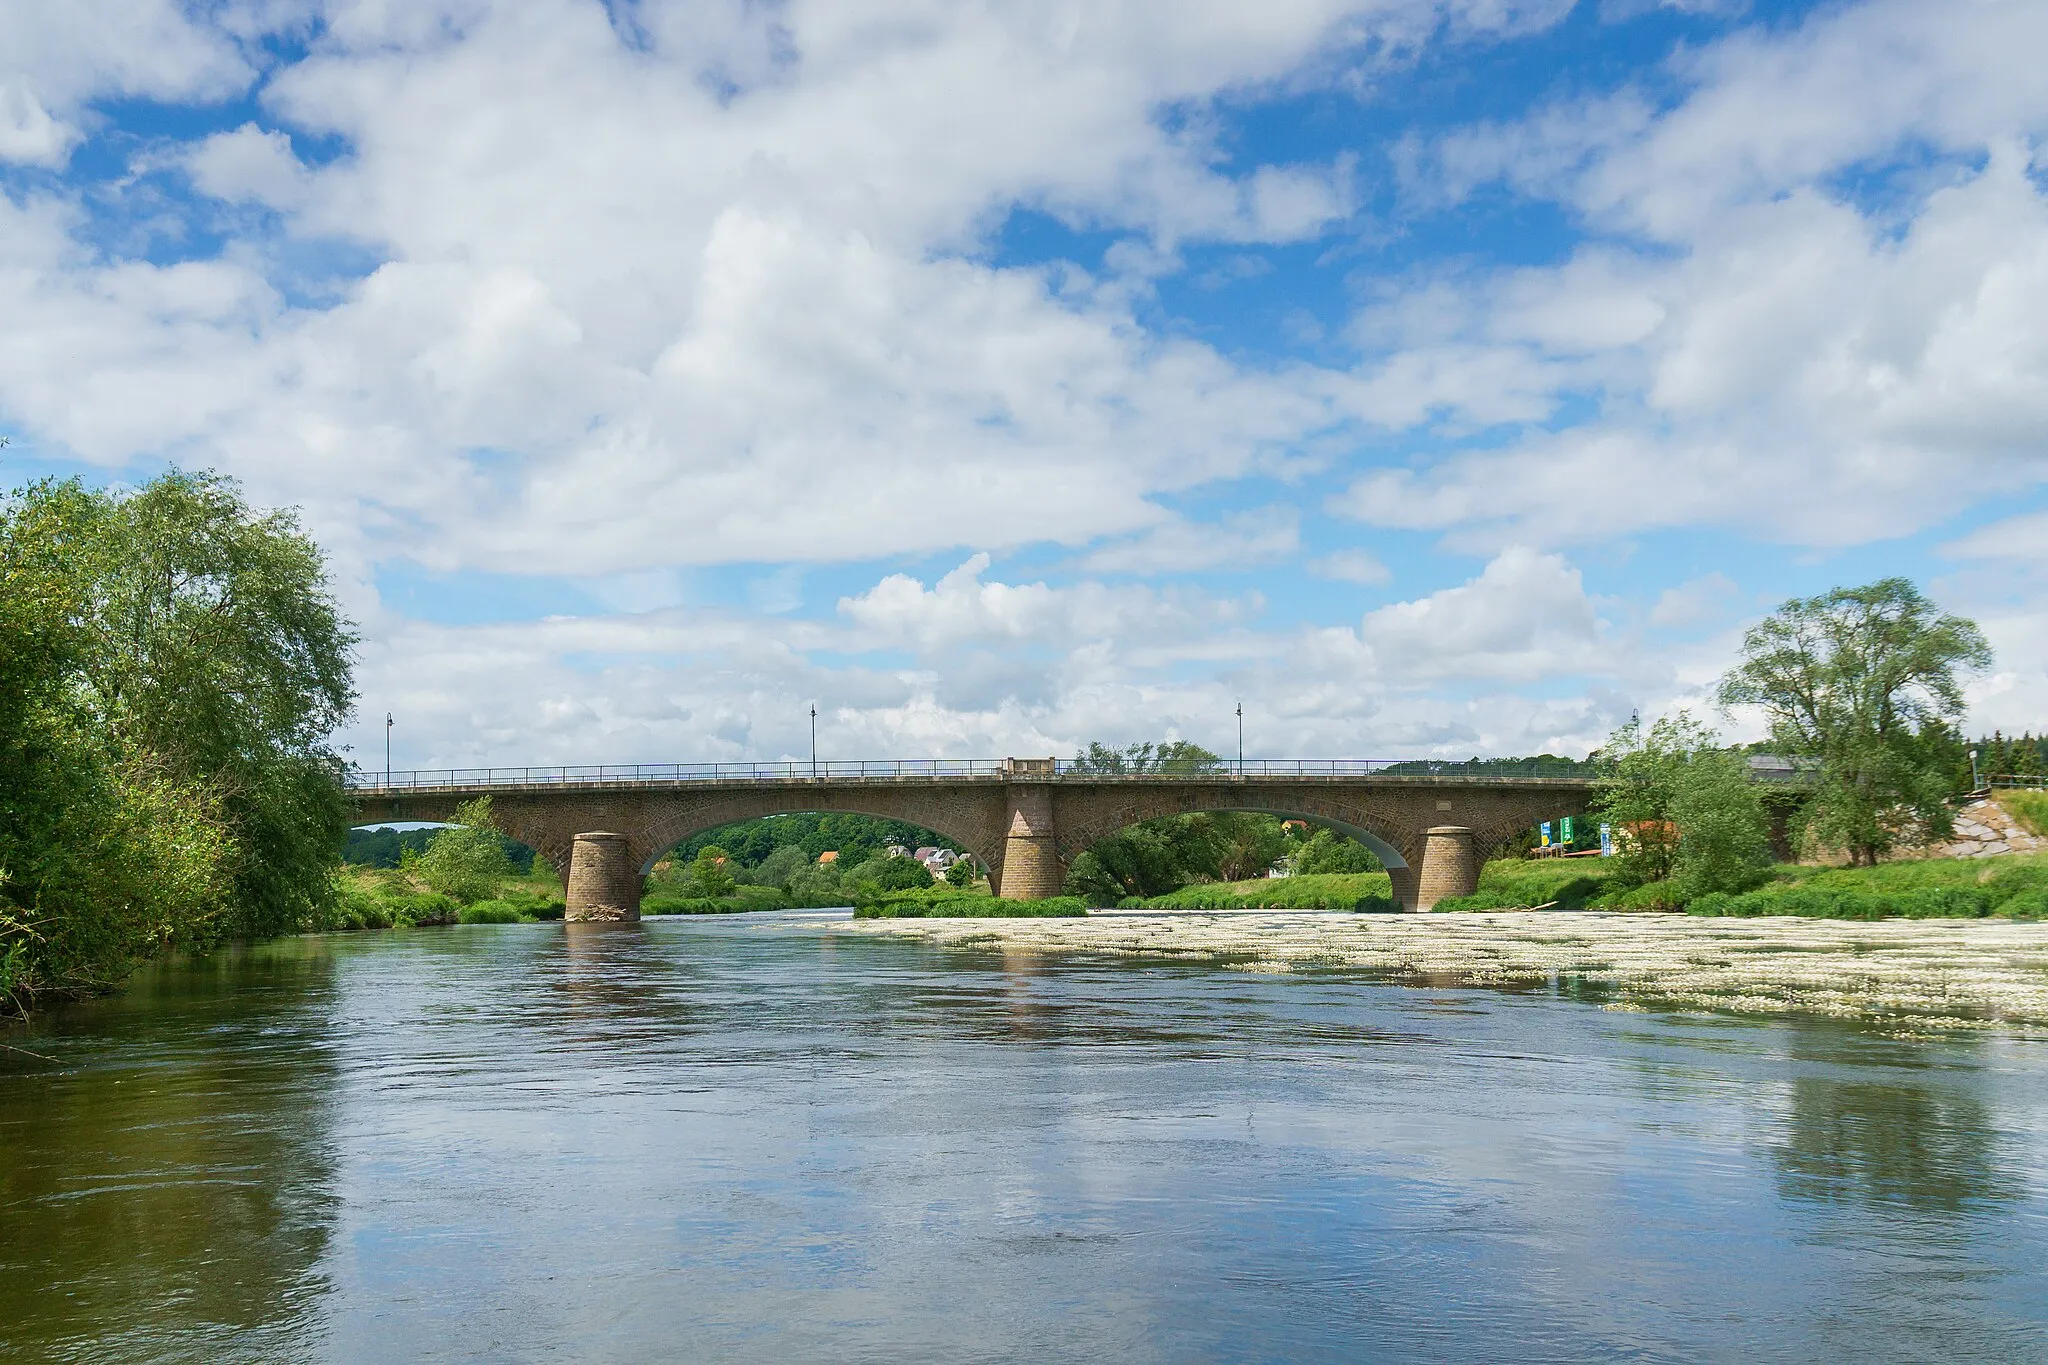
(171, 664)
(960, 873)
(466, 862)
(218, 647)
(1683, 808)
(1169, 757)
(709, 873)
(1327, 852)
(1867, 681)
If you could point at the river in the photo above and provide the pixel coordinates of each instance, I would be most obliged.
(756, 1139)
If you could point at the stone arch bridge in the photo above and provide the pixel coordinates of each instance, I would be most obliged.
(1433, 825)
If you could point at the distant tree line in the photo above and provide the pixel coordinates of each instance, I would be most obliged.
(386, 847)
(855, 838)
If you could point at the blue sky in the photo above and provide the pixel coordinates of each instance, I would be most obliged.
(1439, 377)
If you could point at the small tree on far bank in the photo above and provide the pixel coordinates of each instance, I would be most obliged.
(709, 873)
(960, 874)
(1683, 809)
(467, 861)
(1867, 681)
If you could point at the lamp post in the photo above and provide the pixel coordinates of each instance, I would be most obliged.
(1974, 784)
(1240, 739)
(387, 749)
(814, 742)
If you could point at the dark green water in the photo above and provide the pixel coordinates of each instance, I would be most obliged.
(752, 1140)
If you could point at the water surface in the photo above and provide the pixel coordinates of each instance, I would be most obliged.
(758, 1140)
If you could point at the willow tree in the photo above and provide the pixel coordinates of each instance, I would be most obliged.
(1866, 680)
(171, 666)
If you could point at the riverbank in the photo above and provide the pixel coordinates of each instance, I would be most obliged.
(1912, 974)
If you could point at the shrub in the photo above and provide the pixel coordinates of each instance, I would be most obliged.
(427, 907)
(466, 861)
(2027, 905)
(489, 912)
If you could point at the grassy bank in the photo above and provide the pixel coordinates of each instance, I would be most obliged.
(1334, 891)
(966, 905)
(2013, 885)
(389, 899)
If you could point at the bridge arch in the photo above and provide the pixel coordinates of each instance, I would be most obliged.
(1089, 822)
(981, 836)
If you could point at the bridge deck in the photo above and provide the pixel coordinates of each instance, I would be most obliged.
(1392, 772)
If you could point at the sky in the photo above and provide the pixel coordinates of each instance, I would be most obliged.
(1430, 377)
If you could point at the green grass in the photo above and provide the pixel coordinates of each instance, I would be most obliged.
(1329, 891)
(2029, 808)
(967, 905)
(1521, 883)
(367, 900)
(2014, 885)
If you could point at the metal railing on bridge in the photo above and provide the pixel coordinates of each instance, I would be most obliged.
(945, 770)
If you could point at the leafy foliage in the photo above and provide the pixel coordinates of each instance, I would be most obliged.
(171, 664)
(1866, 680)
(749, 844)
(1683, 808)
(1157, 857)
(466, 861)
(1328, 853)
(384, 846)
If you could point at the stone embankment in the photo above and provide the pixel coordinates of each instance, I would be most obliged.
(1909, 975)
(1983, 830)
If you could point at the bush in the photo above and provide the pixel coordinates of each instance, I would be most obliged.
(1844, 902)
(466, 861)
(1328, 853)
(2026, 905)
(489, 912)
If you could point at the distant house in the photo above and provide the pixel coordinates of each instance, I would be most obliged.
(830, 855)
(897, 851)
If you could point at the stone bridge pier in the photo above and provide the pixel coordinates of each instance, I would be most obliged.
(1025, 826)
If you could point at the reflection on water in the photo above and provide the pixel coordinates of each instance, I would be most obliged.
(759, 1141)
(166, 1180)
(1907, 1143)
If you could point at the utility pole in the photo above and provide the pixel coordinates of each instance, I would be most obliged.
(1240, 739)
(387, 749)
(814, 742)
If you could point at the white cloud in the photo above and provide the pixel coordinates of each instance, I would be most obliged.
(1705, 600)
(961, 609)
(250, 164)
(1525, 617)
(55, 57)
(1243, 541)
(1781, 359)
(2023, 537)
(1352, 566)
